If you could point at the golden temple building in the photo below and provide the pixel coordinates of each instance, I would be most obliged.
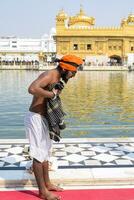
(78, 35)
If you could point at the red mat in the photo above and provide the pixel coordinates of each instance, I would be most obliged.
(92, 194)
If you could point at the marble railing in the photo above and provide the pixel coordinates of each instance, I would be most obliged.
(47, 67)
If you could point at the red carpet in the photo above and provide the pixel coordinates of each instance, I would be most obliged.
(92, 194)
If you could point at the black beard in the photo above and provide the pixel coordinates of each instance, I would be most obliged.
(64, 76)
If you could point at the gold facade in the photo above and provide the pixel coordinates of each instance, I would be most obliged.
(78, 35)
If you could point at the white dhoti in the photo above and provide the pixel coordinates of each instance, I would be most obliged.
(37, 132)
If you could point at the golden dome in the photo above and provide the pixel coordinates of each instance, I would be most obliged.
(81, 19)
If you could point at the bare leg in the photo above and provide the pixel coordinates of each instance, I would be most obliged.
(49, 185)
(38, 172)
(43, 191)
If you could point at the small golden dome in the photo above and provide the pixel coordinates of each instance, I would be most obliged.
(62, 14)
(130, 18)
(128, 21)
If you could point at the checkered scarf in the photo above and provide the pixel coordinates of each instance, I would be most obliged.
(55, 118)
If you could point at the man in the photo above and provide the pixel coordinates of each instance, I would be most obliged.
(36, 125)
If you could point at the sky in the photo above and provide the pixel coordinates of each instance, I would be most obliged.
(34, 18)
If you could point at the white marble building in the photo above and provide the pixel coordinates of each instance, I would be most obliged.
(15, 49)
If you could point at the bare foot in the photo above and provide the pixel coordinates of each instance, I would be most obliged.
(49, 196)
(52, 187)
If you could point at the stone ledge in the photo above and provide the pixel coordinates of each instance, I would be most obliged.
(71, 178)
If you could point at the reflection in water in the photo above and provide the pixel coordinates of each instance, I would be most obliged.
(98, 104)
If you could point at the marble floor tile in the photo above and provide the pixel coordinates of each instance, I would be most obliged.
(69, 153)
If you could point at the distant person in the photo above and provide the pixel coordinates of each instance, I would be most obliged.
(36, 124)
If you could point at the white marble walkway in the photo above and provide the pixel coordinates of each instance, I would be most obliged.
(78, 161)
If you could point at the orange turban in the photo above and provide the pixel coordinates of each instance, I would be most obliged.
(70, 62)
